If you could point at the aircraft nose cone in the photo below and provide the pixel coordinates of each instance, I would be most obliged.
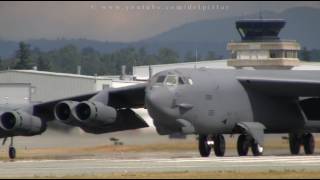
(160, 105)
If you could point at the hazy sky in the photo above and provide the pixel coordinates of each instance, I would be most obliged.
(117, 21)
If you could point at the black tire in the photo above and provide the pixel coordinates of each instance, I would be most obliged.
(12, 153)
(295, 143)
(243, 145)
(219, 145)
(256, 149)
(308, 144)
(204, 148)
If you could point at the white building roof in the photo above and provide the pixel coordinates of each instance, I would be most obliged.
(61, 74)
(142, 72)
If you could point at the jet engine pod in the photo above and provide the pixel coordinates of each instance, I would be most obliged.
(20, 123)
(63, 112)
(91, 112)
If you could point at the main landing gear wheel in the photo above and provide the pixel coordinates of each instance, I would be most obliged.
(243, 145)
(307, 140)
(308, 143)
(204, 146)
(295, 143)
(257, 150)
(219, 145)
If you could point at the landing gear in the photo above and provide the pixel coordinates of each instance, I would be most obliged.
(219, 145)
(308, 143)
(243, 145)
(257, 150)
(12, 149)
(296, 141)
(204, 145)
(207, 142)
(12, 153)
(245, 142)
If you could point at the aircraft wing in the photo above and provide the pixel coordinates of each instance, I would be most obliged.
(128, 97)
(282, 87)
(125, 97)
(31, 120)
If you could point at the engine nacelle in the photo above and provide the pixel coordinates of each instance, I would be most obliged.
(95, 113)
(63, 112)
(20, 123)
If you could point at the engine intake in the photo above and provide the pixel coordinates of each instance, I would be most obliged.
(21, 123)
(63, 112)
(94, 113)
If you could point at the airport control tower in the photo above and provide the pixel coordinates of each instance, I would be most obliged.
(260, 46)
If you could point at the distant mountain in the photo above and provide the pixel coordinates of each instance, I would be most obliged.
(302, 25)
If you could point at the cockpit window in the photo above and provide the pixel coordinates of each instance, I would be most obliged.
(171, 80)
(161, 79)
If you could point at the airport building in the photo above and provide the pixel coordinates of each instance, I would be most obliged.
(261, 47)
(25, 86)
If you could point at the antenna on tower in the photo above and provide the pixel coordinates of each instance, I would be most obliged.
(195, 65)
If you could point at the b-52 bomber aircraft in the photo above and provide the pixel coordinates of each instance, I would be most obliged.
(206, 102)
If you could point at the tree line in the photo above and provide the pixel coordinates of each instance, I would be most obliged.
(67, 58)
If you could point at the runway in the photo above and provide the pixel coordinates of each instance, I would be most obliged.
(60, 168)
(59, 155)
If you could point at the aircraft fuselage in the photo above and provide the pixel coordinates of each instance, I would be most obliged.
(210, 101)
